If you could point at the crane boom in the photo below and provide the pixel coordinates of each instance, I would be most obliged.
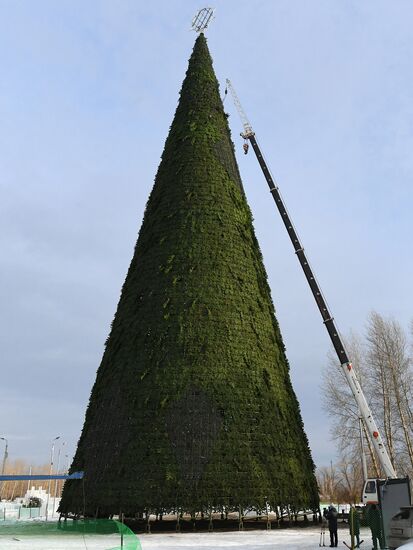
(328, 319)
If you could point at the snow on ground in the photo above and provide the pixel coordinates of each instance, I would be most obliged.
(288, 539)
(88, 542)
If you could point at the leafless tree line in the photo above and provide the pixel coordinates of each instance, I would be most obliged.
(382, 359)
(340, 483)
(9, 490)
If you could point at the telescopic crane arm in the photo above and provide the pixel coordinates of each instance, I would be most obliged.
(328, 320)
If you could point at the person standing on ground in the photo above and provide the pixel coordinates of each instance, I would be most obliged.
(354, 525)
(331, 517)
(373, 517)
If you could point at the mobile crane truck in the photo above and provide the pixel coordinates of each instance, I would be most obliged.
(391, 493)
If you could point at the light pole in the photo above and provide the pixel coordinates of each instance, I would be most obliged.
(57, 472)
(28, 481)
(67, 464)
(50, 473)
(3, 467)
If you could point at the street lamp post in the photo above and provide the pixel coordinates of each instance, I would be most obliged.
(67, 464)
(50, 473)
(3, 467)
(57, 472)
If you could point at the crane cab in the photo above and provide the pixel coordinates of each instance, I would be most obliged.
(369, 494)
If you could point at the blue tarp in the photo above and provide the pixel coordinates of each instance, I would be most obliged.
(26, 477)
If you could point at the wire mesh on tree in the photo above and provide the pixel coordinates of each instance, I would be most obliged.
(193, 408)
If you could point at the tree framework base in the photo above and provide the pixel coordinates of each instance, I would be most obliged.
(186, 524)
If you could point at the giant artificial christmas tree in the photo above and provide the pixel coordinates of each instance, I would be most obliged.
(193, 408)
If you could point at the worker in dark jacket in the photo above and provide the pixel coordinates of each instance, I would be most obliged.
(331, 517)
(373, 517)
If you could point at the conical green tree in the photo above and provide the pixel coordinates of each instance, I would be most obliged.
(193, 408)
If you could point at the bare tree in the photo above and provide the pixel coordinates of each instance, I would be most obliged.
(384, 368)
(340, 482)
(328, 480)
(351, 481)
(390, 386)
(339, 403)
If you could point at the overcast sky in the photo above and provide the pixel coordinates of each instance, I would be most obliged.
(87, 94)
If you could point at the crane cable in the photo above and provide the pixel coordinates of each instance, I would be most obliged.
(246, 145)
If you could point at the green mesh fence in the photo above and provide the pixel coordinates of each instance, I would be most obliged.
(101, 534)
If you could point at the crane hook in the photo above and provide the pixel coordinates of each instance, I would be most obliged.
(225, 94)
